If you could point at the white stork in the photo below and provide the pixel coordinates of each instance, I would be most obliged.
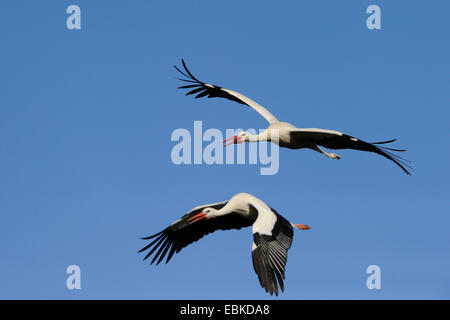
(272, 235)
(285, 134)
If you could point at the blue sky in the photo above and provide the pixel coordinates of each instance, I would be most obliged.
(86, 118)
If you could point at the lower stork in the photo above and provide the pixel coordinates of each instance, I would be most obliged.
(272, 235)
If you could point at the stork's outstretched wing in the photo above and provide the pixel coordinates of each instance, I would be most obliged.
(269, 254)
(337, 140)
(185, 231)
(212, 91)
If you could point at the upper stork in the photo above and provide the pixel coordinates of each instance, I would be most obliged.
(285, 134)
(272, 235)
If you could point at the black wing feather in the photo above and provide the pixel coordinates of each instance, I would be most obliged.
(189, 86)
(335, 141)
(349, 142)
(194, 91)
(211, 91)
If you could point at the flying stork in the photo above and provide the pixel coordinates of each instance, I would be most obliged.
(272, 235)
(285, 134)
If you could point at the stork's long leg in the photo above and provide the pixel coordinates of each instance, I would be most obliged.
(329, 155)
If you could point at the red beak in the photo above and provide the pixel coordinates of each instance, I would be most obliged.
(233, 141)
(197, 217)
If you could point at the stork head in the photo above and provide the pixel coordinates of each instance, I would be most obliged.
(241, 137)
(205, 214)
(209, 212)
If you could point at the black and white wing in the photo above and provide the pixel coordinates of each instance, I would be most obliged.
(269, 254)
(337, 140)
(183, 232)
(212, 91)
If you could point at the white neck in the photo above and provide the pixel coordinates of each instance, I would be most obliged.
(263, 136)
(223, 211)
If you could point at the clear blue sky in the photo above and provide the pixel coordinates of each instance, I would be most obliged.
(85, 124)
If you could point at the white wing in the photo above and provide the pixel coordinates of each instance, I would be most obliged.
(204, 89)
